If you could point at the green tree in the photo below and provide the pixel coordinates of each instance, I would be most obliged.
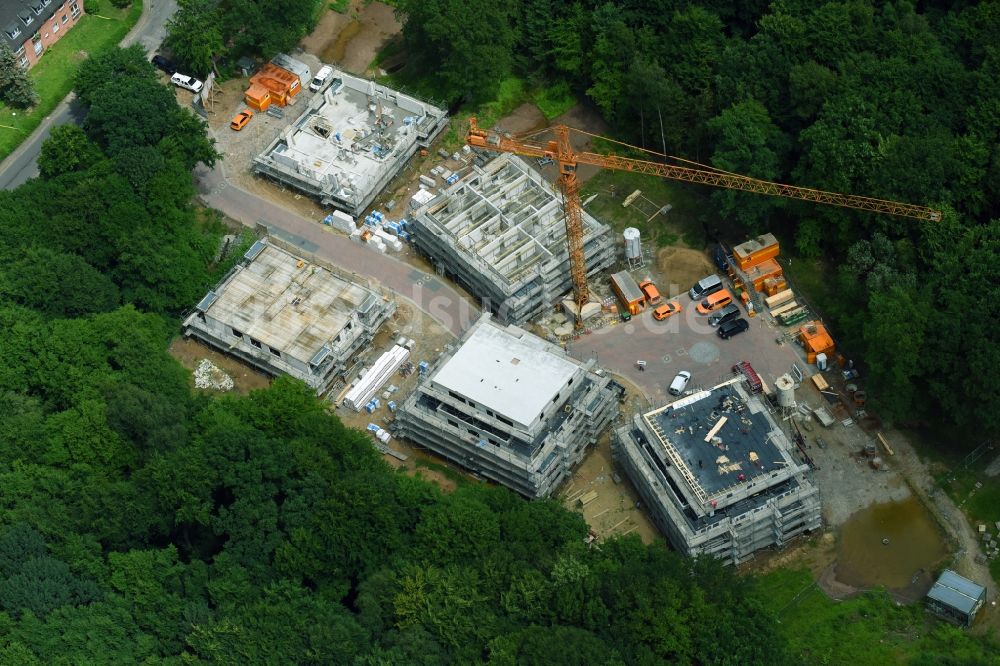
(468, 55)
(16, 88)
(747, 142)
(67, 149)
(194, 35)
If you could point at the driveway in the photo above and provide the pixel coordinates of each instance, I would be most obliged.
(22, 164)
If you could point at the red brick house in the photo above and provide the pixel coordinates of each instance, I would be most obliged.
(31, 26)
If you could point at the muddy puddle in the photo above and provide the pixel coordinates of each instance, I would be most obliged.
(894, 545)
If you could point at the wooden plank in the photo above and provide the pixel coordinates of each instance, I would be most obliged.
(820, 381)
(885, 444)
(587, 498)
(716, 428)
(784, 308)
(779, 298)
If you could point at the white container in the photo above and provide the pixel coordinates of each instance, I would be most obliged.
(633, 243)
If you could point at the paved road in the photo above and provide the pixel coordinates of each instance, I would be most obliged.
(22, 164)
(431, 295)
(684, 342)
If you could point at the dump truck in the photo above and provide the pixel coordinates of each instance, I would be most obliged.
(628, 292)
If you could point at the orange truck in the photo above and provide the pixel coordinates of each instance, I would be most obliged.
(650, 291)
(628, 292)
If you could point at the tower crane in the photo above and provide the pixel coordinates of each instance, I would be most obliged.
(560, 150)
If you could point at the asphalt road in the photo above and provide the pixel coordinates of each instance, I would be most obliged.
(431, 295)
(22, 164)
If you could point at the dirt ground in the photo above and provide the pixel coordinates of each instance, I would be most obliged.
(616, 510)
(431, 340)
(190, 352)
(352, 40)
(679, 268)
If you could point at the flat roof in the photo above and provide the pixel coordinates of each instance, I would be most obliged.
(957, 592)
(741, 439)
(285, 302)
(507, 370)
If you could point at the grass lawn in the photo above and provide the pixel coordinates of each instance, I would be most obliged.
(683, 223)
(53, 75)
(870, 628)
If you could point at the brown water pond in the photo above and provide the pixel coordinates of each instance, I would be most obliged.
(890, 545)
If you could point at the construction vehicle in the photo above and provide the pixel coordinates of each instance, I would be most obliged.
(561, 151)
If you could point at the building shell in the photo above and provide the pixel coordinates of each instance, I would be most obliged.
(511, 407)
(500, 232)
(289, 316)
(717, 474)
(350, 142)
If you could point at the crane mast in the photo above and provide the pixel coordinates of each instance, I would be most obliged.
(561, 151)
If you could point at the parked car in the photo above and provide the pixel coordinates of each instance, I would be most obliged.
(719, 257)
(240, 120)
(705, 287)
(728, 313)
(321, 76)
(715, 301)
(667, 309)
(680, 382)
(731, 328)
(164, 64)
(187, 82)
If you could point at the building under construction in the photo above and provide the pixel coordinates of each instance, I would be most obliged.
(287, 316)
(500, 232)
(511, 407)
(350, 142)
(717, 475)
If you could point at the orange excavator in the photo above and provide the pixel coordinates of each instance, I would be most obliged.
(560, 150)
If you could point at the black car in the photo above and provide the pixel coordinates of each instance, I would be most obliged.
(728, 313)
(731, 328)
(720, 259)
(165, 64)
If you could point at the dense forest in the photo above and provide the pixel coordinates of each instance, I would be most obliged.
(896, 100)
(145, 523)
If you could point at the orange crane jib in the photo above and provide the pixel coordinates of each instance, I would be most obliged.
(561, 151)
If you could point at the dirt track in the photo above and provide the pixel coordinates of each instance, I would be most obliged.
(352, 40)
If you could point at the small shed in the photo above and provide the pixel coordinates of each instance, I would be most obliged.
(293, 65)
(956, 598)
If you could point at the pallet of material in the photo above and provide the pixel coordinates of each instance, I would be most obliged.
(784, 308)
(588, 497)
(820, 382)
(793, 317)
(779, 298)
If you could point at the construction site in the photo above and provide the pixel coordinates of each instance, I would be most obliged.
(288, 316)
(349, 142)
(500, 232)
(510, 407)
(718, 474)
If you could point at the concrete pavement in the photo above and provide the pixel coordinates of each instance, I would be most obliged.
(22, 164)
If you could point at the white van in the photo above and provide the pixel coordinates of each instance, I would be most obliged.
(321, 76)
(705, 286)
